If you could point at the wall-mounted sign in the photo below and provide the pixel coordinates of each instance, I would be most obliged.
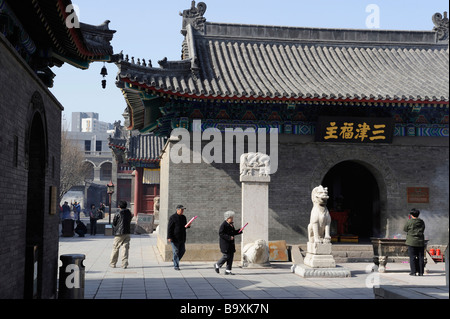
(418, 195)
(355, 130)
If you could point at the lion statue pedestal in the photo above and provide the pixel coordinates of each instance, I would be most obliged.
(319, 261)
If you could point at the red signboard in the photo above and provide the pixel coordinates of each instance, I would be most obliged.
(418, 195)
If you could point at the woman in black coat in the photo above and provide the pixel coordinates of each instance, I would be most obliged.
(227, 233)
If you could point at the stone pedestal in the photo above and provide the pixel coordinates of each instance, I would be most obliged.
(310, 272)
(319, 256)
(319, 262)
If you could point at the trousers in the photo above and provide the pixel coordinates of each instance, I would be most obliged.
(228, 258)
(178, 253)
(416, 259)
(121, 241)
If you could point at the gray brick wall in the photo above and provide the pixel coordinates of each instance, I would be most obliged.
(17, 86)
(210, 190)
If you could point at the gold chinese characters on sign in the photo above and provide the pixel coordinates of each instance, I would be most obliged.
(354, 130)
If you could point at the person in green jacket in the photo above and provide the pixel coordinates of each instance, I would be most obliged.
(415, 240)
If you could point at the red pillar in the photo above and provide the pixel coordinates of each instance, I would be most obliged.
(138, 175)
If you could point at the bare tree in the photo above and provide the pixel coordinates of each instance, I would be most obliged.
(73, 165)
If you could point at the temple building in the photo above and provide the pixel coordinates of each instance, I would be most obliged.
(362, 112)
(136, 169)
(34, 37)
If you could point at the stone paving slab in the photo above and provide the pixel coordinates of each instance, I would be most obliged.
(149, 277)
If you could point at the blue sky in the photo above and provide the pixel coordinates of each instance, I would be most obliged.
(151, 30)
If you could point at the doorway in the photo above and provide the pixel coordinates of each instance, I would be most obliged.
(355, 196)
(35, 208)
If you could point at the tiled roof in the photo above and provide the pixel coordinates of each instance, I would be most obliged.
(145, 148)
(268, 62)
(45, 20)
(117, 143)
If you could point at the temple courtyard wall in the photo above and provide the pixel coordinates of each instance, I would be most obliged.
(209, 190)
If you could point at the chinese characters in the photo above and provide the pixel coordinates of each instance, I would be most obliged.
(356, 130)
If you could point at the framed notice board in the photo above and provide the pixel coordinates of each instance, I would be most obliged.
(418, 195)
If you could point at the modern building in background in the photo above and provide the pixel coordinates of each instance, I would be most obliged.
(92, 141)
(89, 122)
(77, 120)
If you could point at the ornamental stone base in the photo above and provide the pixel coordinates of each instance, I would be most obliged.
(319, 261)
(309, 272)
(319, 256)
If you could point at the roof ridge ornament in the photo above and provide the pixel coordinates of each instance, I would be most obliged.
(441, 26)
(194, 17)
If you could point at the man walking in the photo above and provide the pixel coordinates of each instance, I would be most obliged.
(176, 235)
(122, 230)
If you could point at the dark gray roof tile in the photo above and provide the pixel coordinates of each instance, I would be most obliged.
(245, 61)
(145, 148)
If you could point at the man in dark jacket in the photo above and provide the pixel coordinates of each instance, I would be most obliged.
(415, 240)
(176, 235)
(227, 234)
(122, 230)
(81, 228)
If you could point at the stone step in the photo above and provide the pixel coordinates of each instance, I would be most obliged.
(344, 253)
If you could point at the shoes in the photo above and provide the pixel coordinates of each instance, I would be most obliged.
(176, 268)
(412, 274)
(227, 272)
(216, 268)
(112, 266)
(420, 274)
(125, 267)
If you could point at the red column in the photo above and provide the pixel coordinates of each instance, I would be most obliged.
(138, 175)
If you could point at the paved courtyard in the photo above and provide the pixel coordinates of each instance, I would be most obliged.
(149, 277)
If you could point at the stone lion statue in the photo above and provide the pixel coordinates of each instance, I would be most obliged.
(255, 164)
(156, 209)
(319, 224)
(256, 253)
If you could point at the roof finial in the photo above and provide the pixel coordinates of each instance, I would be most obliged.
(441, 25)
(194, 16)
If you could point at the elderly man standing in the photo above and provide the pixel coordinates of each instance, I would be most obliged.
(176, 235)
